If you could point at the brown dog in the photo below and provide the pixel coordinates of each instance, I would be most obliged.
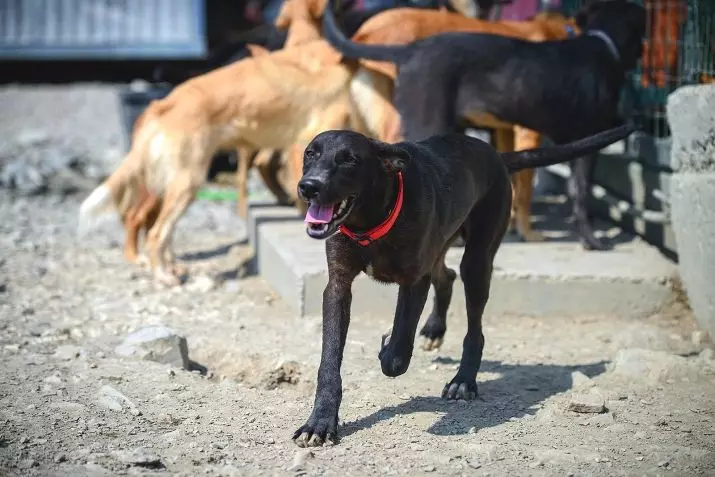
(299, 18)
(251, 104)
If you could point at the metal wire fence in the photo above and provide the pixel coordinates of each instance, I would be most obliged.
(679, 49)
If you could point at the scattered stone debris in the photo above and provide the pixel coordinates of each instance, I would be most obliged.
(35, 163)
(68, 352)
(564, 456)
(299, 460)
(654, 366)
(112, 399)
(156, 343)
(602, 420)
(588, 403)
(285, 372)
(140, 457)
(202, 284)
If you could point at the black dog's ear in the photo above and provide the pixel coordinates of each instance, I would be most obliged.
(394, 159)
(582, 15)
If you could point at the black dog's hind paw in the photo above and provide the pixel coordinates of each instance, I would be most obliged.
(316, 433)
(459, 390)
(590, 242)
(433, 334)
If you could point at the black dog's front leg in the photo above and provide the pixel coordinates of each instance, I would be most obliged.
(322, 425)
(396, 351)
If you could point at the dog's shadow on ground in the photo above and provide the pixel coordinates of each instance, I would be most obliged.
(551, 215)
(217, 251)
(514, 394)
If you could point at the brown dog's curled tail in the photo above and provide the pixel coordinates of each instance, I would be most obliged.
(546, 156)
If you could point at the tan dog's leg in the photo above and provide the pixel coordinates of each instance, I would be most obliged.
(245, 162)
(523, 182)
(294, 164)
(131, 238)
(142, 217)
(504, 142)
(180, 193)
(267, 169)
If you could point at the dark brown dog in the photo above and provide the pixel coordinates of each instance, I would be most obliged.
(392, 211)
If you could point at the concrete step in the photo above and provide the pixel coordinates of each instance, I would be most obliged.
(555, 277)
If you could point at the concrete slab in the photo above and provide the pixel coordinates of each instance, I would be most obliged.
(554, 277)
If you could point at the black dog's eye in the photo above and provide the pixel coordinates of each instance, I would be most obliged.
(347, 158)
(308, 154)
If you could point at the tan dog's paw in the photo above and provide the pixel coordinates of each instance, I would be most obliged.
(166, 277)
(142, 260)
(532, 236)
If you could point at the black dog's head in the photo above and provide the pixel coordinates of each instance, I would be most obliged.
(623, 21)
(342, 170)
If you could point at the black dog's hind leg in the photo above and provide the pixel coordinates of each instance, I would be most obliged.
(396, 350)
(485, 229)
(443, 281)
(322, 425)
(579, 185)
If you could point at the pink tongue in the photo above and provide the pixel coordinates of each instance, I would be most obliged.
(319, 214)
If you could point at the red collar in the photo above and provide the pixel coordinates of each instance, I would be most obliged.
(366, 238)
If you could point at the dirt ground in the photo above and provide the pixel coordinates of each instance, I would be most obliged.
(65, 305)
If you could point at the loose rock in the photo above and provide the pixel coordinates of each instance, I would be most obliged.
(28, 463)
(202, 284)
(285, 372)
(580, 380)
(140, 457)
(656, 366)
(156, 343)
(602, 420)
(565, 456)
(112, 399)
(67, 352)
(592, 402)
(299, 460)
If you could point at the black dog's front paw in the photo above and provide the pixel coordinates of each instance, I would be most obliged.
(393, 363)
(460, 389)
(433, 332)
(317, 432)
(590, 242)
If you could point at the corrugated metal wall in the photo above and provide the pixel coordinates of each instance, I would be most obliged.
(102, 29)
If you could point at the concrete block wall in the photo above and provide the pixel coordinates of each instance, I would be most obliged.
(691, 114)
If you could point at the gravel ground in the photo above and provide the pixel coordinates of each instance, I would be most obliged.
(597, 395)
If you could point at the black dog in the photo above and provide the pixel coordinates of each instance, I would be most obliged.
(392, 211)
(565, 90)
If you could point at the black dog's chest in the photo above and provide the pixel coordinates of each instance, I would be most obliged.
(390, 267)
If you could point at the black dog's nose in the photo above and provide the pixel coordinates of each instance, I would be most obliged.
(309, 188)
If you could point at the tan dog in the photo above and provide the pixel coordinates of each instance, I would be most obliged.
(299, 17)
(251, 104)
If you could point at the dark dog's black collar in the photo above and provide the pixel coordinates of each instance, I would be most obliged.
(608, 41)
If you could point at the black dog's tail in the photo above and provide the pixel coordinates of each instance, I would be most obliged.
(546, 156)
(350, 49)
